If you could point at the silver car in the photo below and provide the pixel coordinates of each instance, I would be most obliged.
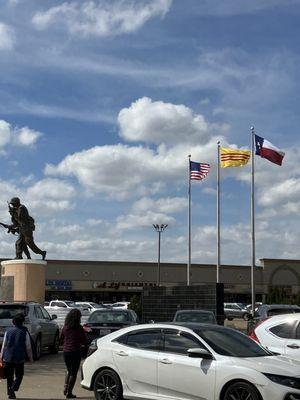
(236, 310)
(43, 330)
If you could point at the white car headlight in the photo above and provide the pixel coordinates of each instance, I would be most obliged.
(284, 380)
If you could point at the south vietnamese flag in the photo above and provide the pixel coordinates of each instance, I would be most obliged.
(267, 150)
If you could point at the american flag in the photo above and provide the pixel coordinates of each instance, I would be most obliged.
(198, 171)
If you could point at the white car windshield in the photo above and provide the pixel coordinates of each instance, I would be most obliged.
(232, 343)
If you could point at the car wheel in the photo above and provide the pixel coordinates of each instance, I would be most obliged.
(230, 318)
(240, 391)
(107, 385)
(38, 348)
(55, 346)
(246, 317)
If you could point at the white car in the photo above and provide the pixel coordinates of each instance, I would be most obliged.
(280, 333)
(88, 305)
(121, 305)
(189, 361)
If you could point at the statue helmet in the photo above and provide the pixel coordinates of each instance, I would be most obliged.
(15, 201)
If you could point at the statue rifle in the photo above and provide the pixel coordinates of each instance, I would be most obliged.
(9, 228)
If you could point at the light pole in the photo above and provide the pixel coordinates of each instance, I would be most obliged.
(159, 229)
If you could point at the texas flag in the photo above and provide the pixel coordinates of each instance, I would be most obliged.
(267, 150)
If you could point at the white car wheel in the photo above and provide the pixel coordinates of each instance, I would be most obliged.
(107, 386)
(241, 391)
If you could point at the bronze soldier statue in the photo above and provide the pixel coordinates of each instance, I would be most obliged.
(23, 224)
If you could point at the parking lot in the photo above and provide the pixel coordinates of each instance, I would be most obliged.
(44, 379)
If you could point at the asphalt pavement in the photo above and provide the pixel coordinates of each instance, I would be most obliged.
(44, 379)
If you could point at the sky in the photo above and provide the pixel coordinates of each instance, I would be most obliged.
(102, 101)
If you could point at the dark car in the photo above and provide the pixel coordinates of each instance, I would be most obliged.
(105, 321)
(202, 316)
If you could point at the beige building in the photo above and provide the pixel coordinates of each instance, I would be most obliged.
(110, 281)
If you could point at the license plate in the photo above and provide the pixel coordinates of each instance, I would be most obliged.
(103, 332)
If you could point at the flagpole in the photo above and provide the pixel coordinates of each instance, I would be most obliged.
(189, 224)
(218, 216)
(252, 224)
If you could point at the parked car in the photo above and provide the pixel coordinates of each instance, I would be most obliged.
(88, 305)
(202, 316)
(201, 361)
(65, 304)
(121, 305)
(103, 322)
(43, 329)
(268, 310)
(280, 333)
(236, 310)
(256, 305)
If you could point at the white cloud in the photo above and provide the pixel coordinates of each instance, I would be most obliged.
(156, 122)
(26, 136)
(17, 136)
(7, 37)
(5, 133)
(121, 170)
(168, 205)
(286, 191)
(50, 196)
(94, 222)
(132, 221)
(101, 18)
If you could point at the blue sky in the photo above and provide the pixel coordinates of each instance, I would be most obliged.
(102, 101)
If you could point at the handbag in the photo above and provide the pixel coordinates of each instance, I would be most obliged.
(2, 370)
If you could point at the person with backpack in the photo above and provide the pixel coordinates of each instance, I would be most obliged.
(73, 339)
(16, 348)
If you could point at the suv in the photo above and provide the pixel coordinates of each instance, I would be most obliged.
(236, 310)
(43, 330)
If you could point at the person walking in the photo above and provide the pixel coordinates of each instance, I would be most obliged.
(73, 338)
(16, 348)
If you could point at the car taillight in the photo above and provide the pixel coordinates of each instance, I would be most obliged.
(253, 336)
(93, 347)
(252, 333)
(87, 328)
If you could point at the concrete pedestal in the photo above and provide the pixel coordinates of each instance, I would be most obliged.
(23, 280)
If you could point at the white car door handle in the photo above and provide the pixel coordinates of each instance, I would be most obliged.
(122, 353)
(165, 361)
(293, 346)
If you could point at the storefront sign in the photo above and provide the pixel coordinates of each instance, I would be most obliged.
(58, 284)
(119, 285)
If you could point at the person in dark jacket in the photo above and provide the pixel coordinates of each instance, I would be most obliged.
(16, 348)
(73, 339)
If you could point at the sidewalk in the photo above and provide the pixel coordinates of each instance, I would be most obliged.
(44, 379)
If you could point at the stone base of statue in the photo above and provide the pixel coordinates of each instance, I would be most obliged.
(23, 280)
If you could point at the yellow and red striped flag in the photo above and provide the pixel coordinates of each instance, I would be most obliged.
(234, 157)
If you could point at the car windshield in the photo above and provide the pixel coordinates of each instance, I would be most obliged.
(231, 343)
(104, 317)
(10, 311)
(196, 317)
(70, 303)
(95, 305)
